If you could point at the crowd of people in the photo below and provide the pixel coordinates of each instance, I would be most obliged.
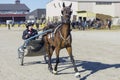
(75, 24)
(95, 24)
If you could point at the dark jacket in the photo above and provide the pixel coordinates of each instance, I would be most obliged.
(29, 33)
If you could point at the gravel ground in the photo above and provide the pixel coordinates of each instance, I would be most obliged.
(97, 55)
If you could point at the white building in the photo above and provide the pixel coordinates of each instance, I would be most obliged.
(54, 7)
(86, 8)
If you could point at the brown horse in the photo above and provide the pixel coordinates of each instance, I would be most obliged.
(59, 39)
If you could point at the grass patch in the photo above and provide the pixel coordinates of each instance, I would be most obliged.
(115, 27)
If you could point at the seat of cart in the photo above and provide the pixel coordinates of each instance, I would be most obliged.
(35, 48)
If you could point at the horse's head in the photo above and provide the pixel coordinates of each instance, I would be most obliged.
(66, 13)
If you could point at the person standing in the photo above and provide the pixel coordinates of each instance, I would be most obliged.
(109, 23)
(37, 24)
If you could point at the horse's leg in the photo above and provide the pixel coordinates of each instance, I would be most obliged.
(69, 50)
(57, 50)
(49, 57)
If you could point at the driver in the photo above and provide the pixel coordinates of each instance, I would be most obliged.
(29, 32)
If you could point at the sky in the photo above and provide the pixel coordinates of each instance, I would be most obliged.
(32, 4)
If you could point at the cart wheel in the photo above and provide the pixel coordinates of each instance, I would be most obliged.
(21, 57)
(46, 58)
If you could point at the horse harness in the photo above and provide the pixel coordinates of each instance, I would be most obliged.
(52, 35)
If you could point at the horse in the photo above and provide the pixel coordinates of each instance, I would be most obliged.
(60, 38)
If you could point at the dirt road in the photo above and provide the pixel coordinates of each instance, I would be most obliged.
(97, 55)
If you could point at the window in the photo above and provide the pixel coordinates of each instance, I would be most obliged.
(103, 3)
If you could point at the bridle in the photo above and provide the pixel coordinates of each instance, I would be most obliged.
(65, 20)
(66, 14)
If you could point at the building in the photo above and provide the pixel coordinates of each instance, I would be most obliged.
(87, 9)
(15, 12)
(37, 14)
(53, 9)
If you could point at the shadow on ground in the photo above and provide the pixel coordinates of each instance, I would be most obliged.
(93, 67)
(65, 63)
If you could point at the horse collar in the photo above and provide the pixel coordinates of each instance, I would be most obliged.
(63, 37)
(60, 32)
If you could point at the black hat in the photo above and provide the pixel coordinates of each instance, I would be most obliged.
(29, 24)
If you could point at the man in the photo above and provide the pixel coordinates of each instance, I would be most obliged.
(109, 23)
(29, 32)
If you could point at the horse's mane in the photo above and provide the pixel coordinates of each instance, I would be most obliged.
(51, 26)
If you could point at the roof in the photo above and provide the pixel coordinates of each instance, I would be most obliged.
(103, 16)
(13, 7)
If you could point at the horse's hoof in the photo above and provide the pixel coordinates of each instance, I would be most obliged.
(54, 72)
(51, 71)
(77, 75)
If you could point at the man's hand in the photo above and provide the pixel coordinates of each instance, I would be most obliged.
(26, 36)
(29, 32)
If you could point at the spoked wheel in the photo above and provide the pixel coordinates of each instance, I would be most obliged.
(21, 57)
